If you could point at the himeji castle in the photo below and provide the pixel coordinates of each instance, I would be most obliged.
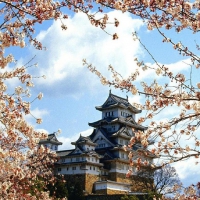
(99, 161)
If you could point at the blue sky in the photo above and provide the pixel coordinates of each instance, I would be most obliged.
(71, 91)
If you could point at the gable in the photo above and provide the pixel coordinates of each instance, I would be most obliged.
(109, 101)
(127, 132)
(54, 138)
(107, 156)
(76, 151)
(99, 139)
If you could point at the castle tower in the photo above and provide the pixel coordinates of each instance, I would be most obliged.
(51, 142)
(112, 132)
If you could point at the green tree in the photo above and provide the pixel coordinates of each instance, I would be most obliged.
(58, 189)
(158, 182)
(75, 191)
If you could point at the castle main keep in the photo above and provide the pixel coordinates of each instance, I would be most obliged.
(99, 161)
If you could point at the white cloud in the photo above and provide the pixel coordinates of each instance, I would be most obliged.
(67, 140)
(177, 67)
(188, 171)
(62, 62)
(35, 114)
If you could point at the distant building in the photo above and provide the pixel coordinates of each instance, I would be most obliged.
(51, 142)
(98, 161)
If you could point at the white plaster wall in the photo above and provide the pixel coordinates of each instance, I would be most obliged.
(88, 147)
(127, 112)
(51, 146)
(88, 169)
(92, 159)
(111, 186)
(115, 113)
(123, 155)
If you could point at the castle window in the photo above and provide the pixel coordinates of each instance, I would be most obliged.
(122, 166)
(63, 160)
(109, 129)
(102, 145)
(93, 168)
(71, 159)
(77, 159)
(90, 168)
(59, 169)
(112, 113)
(122, 155)
(56, 148)
(67, 168)
(73, 168)
(82, 158)
(121, 141)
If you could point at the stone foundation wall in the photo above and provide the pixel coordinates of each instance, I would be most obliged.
(119, 177)
(74, 178)
(136, 185)
(116, 192)
(90, 179)
(86, 181)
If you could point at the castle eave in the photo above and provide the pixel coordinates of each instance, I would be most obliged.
(48, 141)
(79, 163)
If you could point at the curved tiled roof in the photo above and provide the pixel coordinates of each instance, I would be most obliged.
(111, 120)
(117, 102)
(123, 132)
(51, 139)
(83, 139)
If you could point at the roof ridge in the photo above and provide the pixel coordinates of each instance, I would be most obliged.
(119, 97)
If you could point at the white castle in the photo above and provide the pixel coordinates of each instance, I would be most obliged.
(99, 161)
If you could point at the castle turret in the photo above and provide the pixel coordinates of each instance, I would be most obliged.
(51, 142)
